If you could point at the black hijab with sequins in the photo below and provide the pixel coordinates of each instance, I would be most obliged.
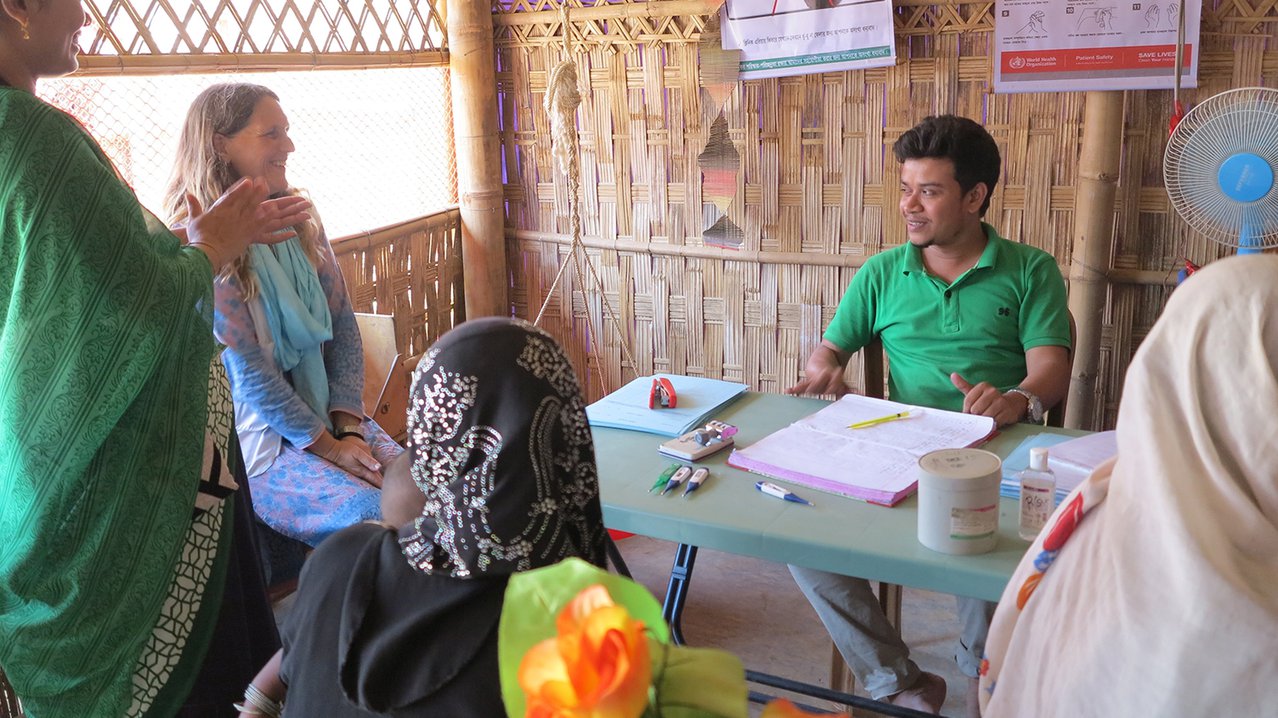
(501, 448)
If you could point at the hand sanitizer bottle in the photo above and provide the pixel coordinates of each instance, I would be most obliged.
(1038, 494)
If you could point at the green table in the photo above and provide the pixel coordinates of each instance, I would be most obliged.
(837, 534)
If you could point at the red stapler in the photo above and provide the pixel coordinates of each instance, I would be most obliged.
(662, 395)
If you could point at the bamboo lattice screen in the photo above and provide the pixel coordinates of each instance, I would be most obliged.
(168, 36)
(816, 193)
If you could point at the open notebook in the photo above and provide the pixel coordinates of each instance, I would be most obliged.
(878, 464)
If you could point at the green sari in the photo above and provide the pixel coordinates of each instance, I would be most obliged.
(106, 345)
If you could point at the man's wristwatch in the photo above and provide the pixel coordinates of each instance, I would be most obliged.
(1033, 406)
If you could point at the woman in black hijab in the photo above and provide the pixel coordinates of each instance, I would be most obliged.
(401, 618)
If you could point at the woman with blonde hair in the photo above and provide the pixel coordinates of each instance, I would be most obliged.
(121, 529)
(292, 346)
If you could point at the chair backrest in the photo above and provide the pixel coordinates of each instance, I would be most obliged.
(1055, 416)
(392, 404)
(873, 374)
(381, 351)
(386, 374)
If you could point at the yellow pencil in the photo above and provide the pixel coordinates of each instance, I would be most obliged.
(881, 420)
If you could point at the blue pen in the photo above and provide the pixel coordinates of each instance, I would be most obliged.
(695, 482)
(773, 490)
(677, 479)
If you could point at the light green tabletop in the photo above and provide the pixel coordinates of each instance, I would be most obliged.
(837, 534)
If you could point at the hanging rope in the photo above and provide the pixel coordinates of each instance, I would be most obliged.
(562, 99)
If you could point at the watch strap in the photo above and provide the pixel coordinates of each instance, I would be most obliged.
(1033, 405)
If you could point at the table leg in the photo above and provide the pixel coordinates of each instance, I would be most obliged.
(614, 556)
(890, 602)
(677, 590)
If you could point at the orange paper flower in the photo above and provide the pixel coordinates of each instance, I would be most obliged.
(597, 667)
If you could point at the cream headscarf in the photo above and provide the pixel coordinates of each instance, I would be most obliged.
(1164, 601)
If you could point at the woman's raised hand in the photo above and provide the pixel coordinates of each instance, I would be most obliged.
(242, 216)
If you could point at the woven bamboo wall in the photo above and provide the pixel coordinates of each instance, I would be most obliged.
(411, 270)
(816, 192)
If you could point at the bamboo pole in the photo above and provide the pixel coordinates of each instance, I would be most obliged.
(691, 251)
(479, 190)
(1093, 246)
(1135, 277)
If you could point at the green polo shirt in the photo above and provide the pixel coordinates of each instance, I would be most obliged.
(980, 326)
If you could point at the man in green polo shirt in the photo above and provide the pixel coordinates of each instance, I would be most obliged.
(969, 322)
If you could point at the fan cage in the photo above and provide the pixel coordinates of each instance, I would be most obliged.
(1241, 120)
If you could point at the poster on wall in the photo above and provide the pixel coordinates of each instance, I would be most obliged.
(1062, 45)
(799, 37)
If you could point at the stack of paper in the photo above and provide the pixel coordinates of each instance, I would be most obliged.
(878, 464)
(1071, 460)
(697, 399)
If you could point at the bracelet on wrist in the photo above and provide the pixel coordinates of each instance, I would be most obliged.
(343, 434)
(258, 703)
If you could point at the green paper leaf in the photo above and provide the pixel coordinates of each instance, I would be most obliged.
(533, 602)
(699, 683)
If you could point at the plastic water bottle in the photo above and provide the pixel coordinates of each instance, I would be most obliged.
(1038, 494)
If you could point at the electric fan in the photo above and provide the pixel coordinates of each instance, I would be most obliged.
(1219, 168)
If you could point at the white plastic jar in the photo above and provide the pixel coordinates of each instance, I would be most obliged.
(958, 500)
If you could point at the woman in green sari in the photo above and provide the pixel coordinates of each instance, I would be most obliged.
(116, 436)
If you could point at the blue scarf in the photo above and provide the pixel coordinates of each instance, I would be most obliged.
(298, 315)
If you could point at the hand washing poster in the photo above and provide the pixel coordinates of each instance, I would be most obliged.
(1062, 45)
(800, 37)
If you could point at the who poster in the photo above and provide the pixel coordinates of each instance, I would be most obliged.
(799, 37)
(1064, 45)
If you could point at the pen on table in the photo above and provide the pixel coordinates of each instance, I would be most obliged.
(677, 479)
(880, 420)
(664, 477)
(772, 489)
(694, 483)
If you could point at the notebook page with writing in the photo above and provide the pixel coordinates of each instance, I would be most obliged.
(877, 463)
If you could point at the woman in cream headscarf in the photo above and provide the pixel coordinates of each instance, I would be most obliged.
(1153, 591)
